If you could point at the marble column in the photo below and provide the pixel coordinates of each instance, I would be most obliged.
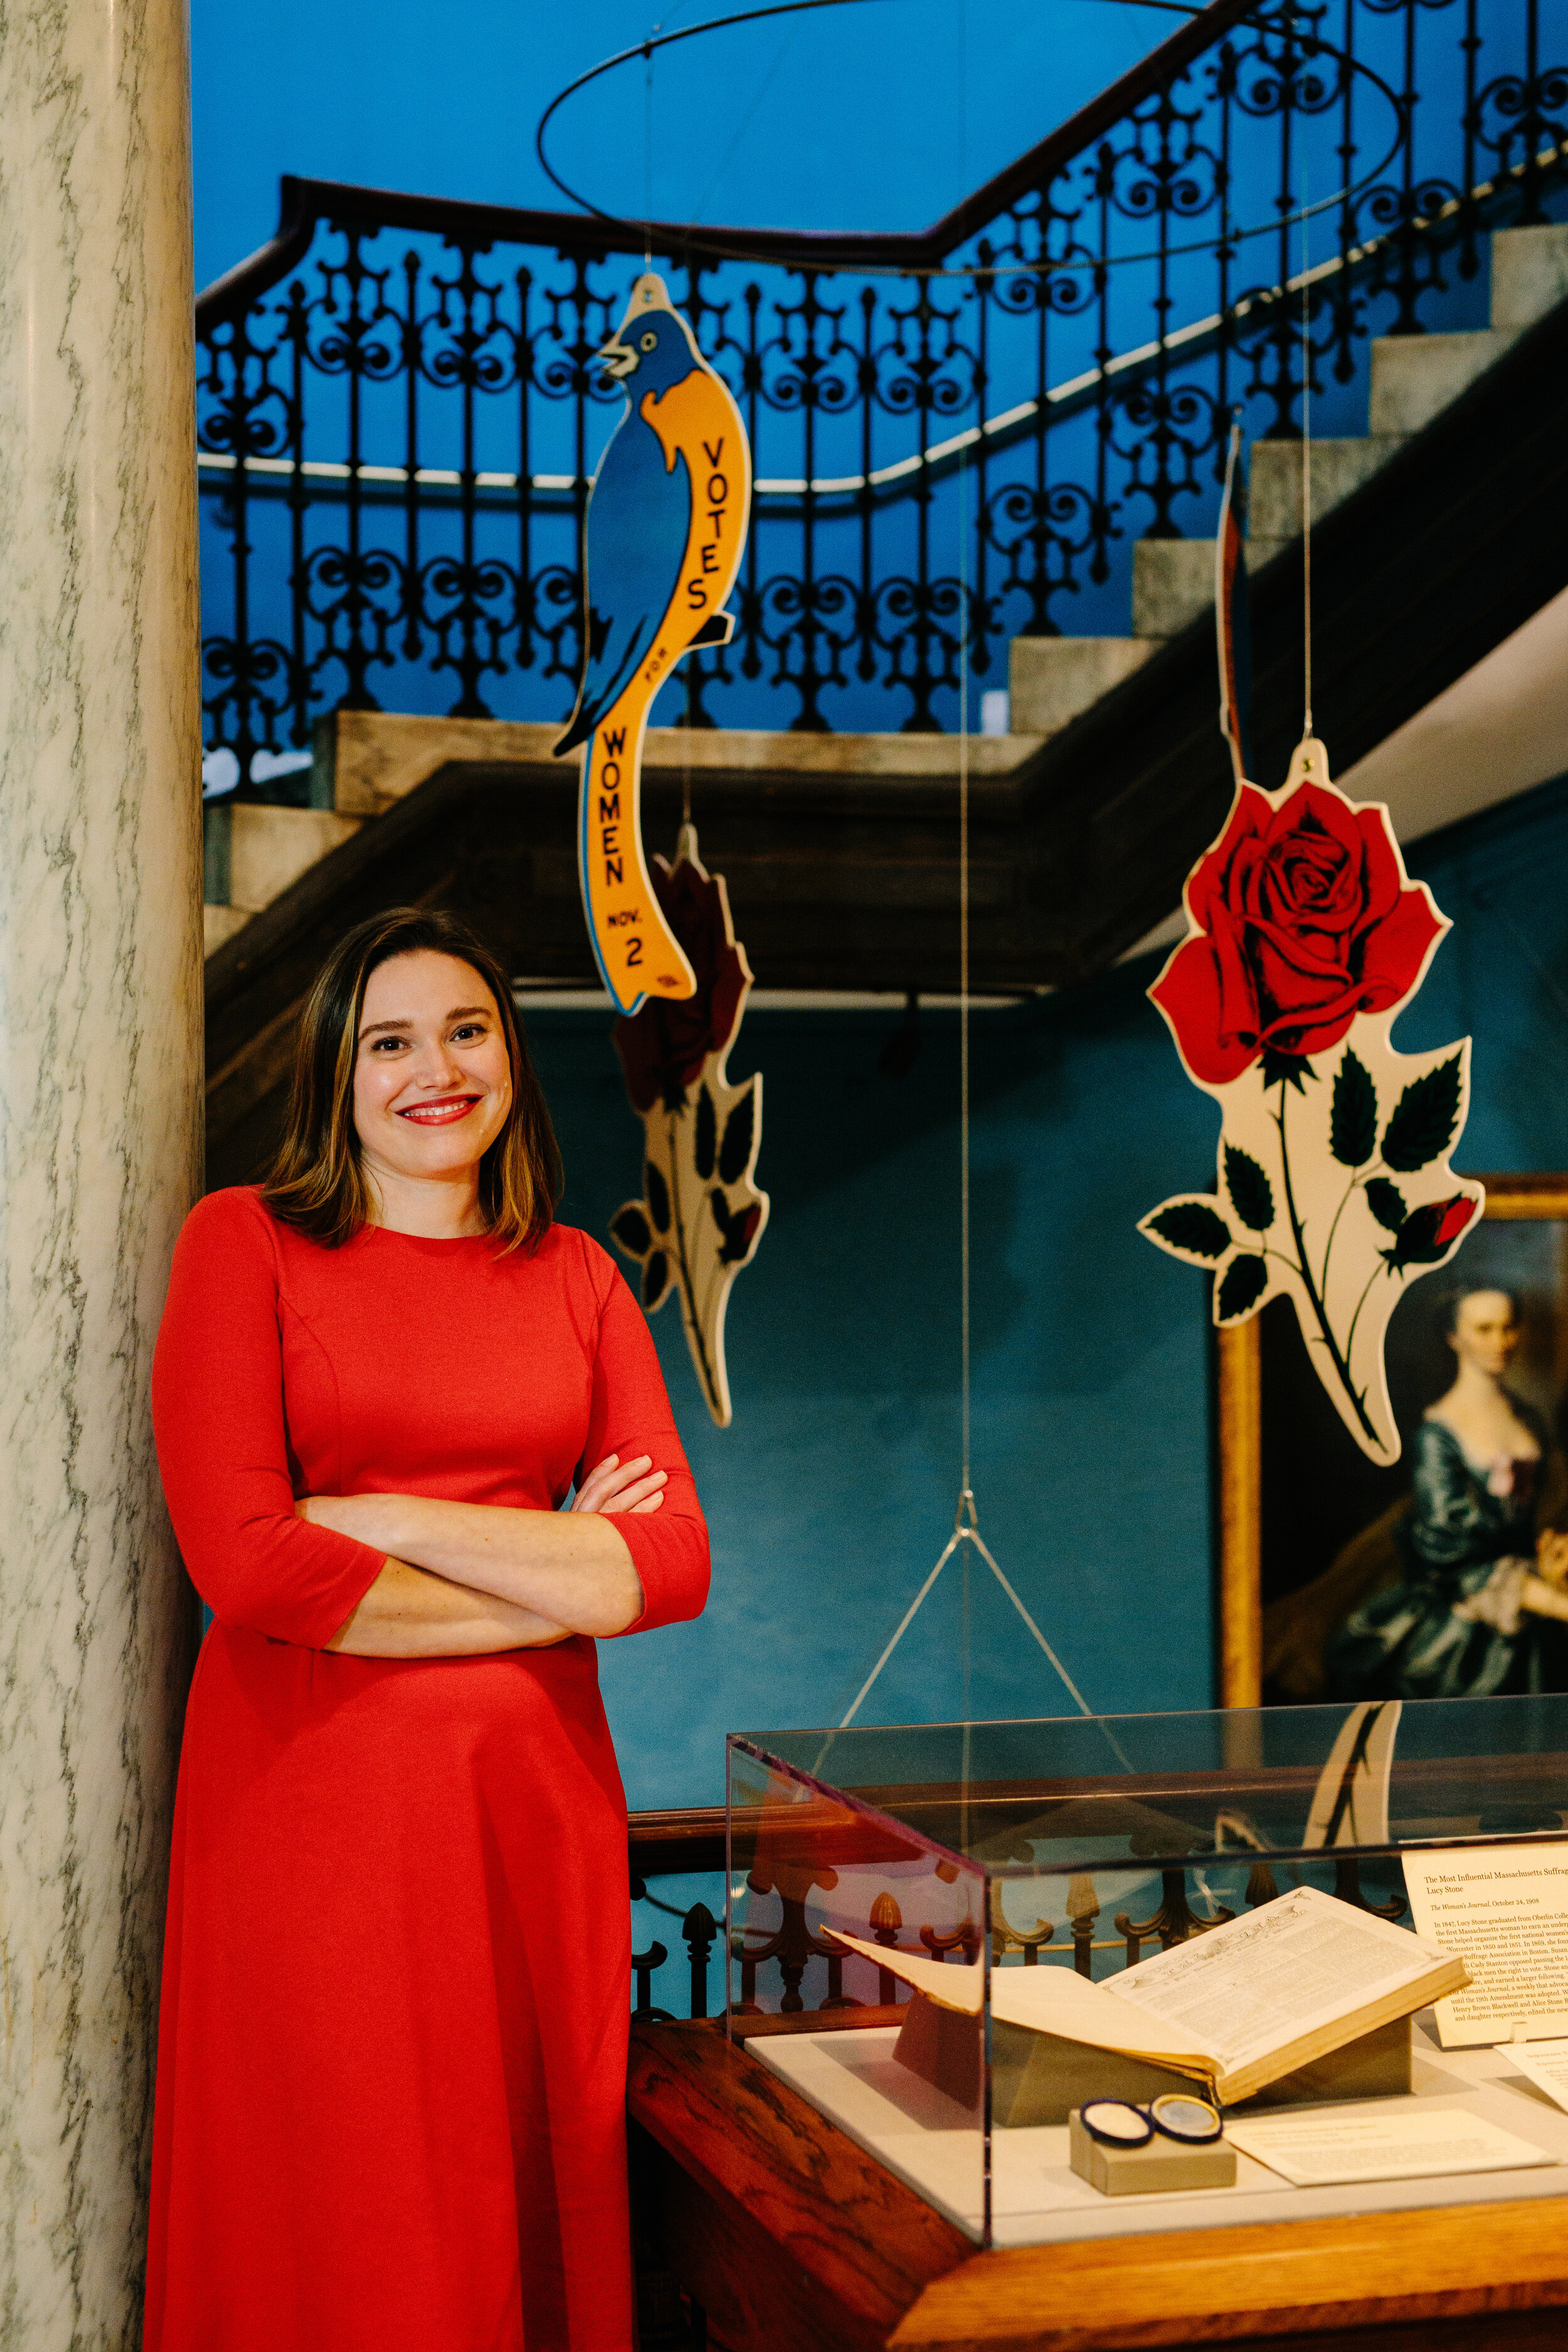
(99, 1032)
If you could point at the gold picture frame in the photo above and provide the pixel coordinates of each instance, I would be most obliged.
(1238, 1393)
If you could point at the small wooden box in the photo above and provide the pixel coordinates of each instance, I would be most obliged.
(1159, 2168)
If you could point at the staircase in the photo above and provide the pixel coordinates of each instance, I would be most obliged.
(1052, 390)
(1414, 378)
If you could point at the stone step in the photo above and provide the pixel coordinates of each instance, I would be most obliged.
(1173, 582)
(251, 854)
(1529, 274)
(220, 923)
(1414, 377)
(1052, 679)
(1274, 485)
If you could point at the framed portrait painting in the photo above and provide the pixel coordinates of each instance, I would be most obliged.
(1310, 1531)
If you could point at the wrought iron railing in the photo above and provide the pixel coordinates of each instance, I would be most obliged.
(958, 435)
(786, 1965)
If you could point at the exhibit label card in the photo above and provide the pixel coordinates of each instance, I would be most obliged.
(1503, 1910)
(1544, 2063)
(1381, 2140)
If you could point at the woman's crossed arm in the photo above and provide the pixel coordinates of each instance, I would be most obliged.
(465, 1579)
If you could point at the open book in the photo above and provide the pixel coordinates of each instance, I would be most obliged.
(1237, 2006)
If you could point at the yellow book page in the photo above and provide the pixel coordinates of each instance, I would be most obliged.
(1049, 2000)
(950, 1987)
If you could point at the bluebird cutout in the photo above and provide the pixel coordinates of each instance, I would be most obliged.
(662, 541)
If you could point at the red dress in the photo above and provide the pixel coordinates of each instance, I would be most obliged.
(392, 2064)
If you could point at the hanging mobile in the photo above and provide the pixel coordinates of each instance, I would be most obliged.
(662, 539)
(1306, 939)
(701, 1215)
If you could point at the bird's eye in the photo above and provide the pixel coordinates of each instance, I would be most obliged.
(651, 341)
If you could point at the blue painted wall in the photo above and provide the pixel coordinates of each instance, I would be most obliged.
(833, 1493)
(876, 114)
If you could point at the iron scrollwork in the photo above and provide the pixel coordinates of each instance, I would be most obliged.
(398, 423)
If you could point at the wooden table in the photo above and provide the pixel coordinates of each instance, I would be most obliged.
(792, 2239)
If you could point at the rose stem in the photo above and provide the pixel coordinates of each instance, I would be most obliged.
(1333, 1229)
(1361, 1302)
(1362, 1176)
(1311, 1288)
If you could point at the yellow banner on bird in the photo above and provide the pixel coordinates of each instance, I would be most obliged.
(662, 541)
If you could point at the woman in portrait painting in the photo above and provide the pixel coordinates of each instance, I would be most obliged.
(1483, 1601)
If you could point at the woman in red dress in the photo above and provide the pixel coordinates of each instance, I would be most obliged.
(392, 2066)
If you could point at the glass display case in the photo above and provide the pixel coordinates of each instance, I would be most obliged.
(891, 1888)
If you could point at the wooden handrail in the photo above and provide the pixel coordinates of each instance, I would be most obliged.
(684, 1838)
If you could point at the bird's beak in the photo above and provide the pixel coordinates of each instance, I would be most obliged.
(616, 359)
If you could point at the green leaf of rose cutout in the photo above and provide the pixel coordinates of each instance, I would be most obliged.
(1188, 1225)
(1249, 1190)
(630, 1228)
(1245, 1281)
(1386, 1202)
(1353, 1126)
(1286, 1069)
(1423, 1120)
(658, 1195)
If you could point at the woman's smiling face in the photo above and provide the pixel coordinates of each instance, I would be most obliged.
(431, 1075)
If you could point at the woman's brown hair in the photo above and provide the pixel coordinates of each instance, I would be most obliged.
(316, 1184)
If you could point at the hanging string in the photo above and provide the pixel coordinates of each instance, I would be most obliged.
(648, 148)
(964, 1496)
(1306, 453)
(966, 1534)
(965, 1492)
(964, 1480)
(966, 1709)
(965, 1518)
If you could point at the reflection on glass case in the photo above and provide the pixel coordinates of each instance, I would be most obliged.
(953, 1940)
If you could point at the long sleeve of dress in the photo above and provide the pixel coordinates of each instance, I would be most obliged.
(630, 1415)
(218, 1418)
(1455, 1520)
(1445, 1516)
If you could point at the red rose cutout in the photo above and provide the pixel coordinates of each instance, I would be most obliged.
(1306, 920)
(663, 1046)
(1429, 1233)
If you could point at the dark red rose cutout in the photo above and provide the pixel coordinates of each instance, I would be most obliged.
(663, 1046)
(1306, 920)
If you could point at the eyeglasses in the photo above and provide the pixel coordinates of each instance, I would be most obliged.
(1118, 2123)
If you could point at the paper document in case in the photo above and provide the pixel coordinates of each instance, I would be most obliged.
(1544, 2063)
(1280, 1972)
(1504, 1910)
(1382, 2140)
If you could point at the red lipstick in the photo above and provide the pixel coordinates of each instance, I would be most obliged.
(445, 1113)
